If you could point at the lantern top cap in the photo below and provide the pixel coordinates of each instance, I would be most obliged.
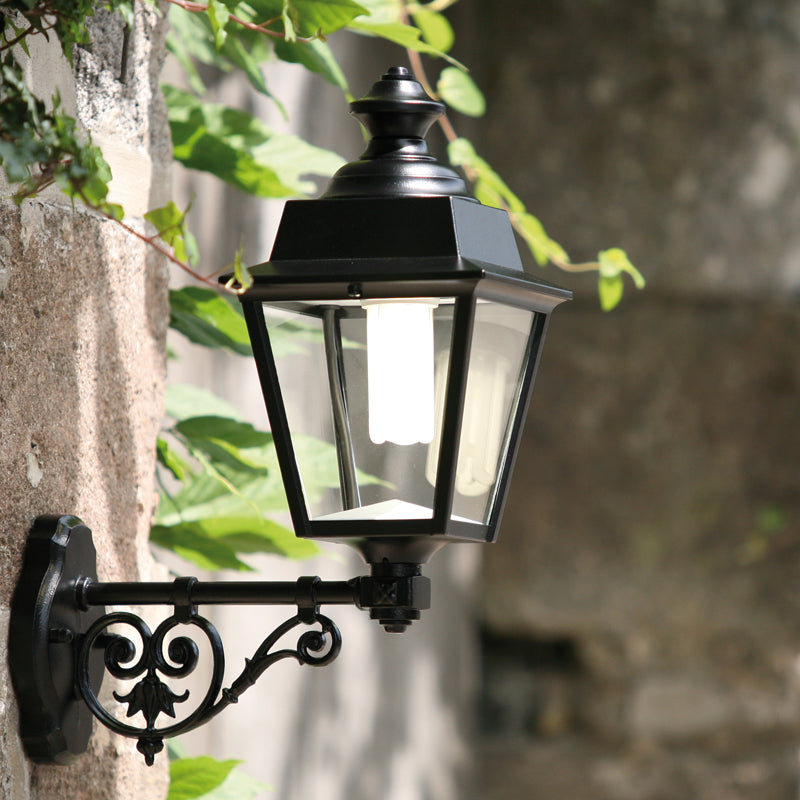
(397, 112)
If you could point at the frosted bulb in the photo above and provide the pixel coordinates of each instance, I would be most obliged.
(483, 423)
(400, 370)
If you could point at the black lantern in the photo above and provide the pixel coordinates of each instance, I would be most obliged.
(394, 321)
(396, 336)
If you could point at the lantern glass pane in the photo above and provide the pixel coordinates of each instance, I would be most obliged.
(358, 384)
(497, 365)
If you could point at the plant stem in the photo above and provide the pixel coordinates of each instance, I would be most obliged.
(199, 8)
(159, 248)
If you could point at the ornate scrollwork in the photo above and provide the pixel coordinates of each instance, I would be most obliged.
(152, 697)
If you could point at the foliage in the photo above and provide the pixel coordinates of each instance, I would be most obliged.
(39, 147)
(219, 475)
(206, 778)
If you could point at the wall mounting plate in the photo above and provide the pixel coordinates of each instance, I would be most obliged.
(45, 629)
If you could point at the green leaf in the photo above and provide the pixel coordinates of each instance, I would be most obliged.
(436, 29)
(384, 11)
(170, 460)
(241, 273)
(193, 36)
(615, 261)
(404, 35)
(182, 54)
(170, 222)
(190, 543)
(231, 431)
(315, 56)
(610, 291)
(240, 149)
(237, 786)
(490, 188)
(458, 90)
(544, 248)
(207, 319)
(191, 778)
(219, 15)
(205, 497)
(184, 401)
(288, 23)
(327, 16)
(253, 534)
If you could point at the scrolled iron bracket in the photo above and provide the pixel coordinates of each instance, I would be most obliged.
(62, 641)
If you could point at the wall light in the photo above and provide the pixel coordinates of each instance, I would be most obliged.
(414, 336)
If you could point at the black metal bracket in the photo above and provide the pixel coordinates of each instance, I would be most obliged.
(62, 641)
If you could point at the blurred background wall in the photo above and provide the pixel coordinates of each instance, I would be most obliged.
(640, 612)
(639, 619)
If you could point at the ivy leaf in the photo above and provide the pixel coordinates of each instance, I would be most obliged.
(191, 544)
(191, 778)
(307, 18)
(170, 222)
(192, 36)
(610, 291)
(492, 190)
(458, 90)
(241, 273)
(544, 248)
(237, 786)
(435, 27)
(232, 432)
(327, 17)
(170, 460)
(614, 263)
(384, 11)
(240, 535)
(184, 401)
(240, 149)
(204, 498)
(288, 23)
(207, 319)
(218, 15)
(315, 56)
(404, 35)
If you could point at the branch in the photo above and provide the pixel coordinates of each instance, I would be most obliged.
(418, 68)
(199, 8)
(159, 248)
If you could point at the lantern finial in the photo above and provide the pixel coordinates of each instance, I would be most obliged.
(398, 113)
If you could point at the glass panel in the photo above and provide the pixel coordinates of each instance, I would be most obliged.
(498, 357)
(358, 387)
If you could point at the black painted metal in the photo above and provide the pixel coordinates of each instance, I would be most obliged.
(341, 419)
(454, 406)
(55, 725)
(62, 641)
(514, 433)
(276, 411)
(384, 230)
(397, 113)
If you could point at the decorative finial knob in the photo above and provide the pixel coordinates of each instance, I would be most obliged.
(398, 113)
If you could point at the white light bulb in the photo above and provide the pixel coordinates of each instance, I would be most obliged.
(498, 353)
(400, 370)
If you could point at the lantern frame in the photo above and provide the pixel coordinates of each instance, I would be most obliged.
(365, 249)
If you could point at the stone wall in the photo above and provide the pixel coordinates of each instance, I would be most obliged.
(641, 614)
(83, 315)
